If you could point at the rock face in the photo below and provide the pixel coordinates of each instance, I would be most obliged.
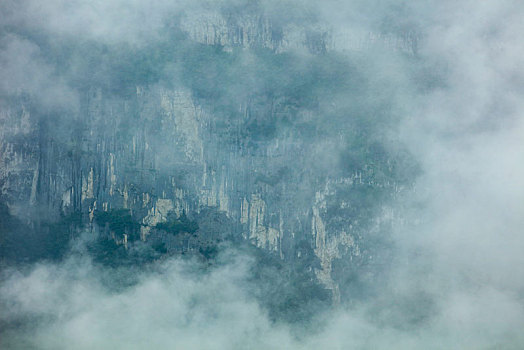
(255, 122)
(255, 30)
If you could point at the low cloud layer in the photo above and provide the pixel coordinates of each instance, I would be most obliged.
(75, 303)
(56, 306)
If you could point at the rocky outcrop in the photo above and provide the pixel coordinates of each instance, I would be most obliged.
(163, 150)
(255, 30)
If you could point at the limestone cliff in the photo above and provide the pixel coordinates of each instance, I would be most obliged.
(258, 125)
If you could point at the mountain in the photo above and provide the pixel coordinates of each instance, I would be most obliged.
(233, 125)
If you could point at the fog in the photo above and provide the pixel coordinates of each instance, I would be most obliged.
(456, 277)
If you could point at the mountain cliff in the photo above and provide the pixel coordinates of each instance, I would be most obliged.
(230, 126)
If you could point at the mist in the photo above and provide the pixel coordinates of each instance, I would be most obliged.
(427, 95)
